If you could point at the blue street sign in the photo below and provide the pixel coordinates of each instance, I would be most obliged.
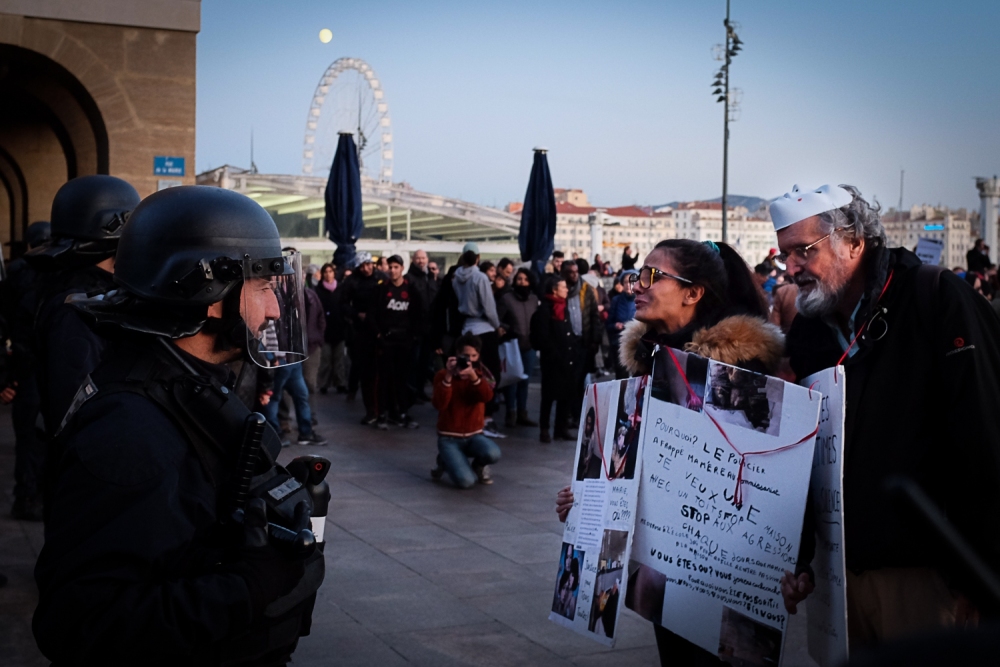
(168, 166)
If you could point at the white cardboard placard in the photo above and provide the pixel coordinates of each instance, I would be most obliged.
(707, 558)
(592, 576)
(827, 605)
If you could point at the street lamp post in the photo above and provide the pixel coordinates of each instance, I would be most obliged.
(730, 99)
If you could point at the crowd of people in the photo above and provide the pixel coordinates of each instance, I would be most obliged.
(387, 334)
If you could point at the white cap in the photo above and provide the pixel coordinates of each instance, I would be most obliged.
(798, 204)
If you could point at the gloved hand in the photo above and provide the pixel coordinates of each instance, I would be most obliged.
(270, 573)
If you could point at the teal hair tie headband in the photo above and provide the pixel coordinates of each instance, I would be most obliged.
(711, 244)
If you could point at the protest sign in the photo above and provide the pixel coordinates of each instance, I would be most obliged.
(827, 605)
(725, 473)
(591, 580)
(929, 250)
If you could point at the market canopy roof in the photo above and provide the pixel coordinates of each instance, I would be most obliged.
(391, 211)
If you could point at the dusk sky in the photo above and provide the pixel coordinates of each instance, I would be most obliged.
(619, 92)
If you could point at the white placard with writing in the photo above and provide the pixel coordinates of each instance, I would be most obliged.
(725, 473)
(827, 605)
(929, 250)
(592, 577)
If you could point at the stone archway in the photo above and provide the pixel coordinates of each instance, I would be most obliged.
(51, 130)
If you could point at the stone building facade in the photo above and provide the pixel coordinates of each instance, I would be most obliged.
(588, 230)
(951, 226)
(751, 234)
(93, 87)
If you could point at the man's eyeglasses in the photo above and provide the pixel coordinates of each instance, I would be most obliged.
(648, 275)
(800, 252)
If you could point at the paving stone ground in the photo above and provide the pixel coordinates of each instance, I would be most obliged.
(418, 573)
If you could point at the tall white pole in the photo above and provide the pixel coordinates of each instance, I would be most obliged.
(989, 212)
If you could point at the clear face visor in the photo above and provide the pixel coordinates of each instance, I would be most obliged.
(273, 307)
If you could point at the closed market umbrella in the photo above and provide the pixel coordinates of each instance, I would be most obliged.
(538, 217)
(344, 223)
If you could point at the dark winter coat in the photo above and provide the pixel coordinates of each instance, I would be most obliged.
(397, 313)
(315, 321)
(976, 261)
(66, 348)
(516, 318)
(427, 288)
(562, 352)
(592, 332)
(924, 402)
(628, 261)
(357, 299)
(336, 323)
(446, 319)
(621, 311)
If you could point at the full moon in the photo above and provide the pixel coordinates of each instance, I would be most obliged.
(325, 35)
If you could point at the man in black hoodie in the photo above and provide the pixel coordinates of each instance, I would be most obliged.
(427, 288)
(397, 320)
(921, 355)
(356, 300)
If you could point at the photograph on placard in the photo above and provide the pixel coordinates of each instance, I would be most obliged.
(628, 423)
(593, 419)
(607, 583)
(646, 588)
(681, 383)
(746, 643)
(568, 581)
(743, 398)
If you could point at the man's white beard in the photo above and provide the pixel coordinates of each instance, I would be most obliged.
(819, 300)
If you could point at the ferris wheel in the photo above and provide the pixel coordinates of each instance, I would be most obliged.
(349, 98)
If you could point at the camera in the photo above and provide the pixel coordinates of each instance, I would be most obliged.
(462, 362)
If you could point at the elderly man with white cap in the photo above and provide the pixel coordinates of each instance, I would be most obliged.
(922, 365)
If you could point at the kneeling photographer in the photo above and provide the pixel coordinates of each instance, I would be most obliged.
(461, 390)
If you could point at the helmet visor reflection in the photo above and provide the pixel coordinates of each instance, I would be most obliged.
(273, 307)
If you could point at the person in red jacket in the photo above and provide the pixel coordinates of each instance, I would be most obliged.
(461, 391)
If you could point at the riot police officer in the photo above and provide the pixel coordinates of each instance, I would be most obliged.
(88, 214)
(145, 560)
(20, 301)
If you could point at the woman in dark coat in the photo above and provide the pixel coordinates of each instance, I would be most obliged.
(698, 297)
(515, 309)
(332, 372)
(560, 350)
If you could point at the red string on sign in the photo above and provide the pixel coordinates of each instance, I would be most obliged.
(738, 493)
(865, 325)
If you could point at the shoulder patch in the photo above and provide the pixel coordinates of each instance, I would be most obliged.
(86, 391)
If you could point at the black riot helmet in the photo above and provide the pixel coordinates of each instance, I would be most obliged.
(88, 215)
(187, 247)
(38, 233)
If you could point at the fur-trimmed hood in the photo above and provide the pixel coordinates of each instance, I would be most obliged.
(734, 340)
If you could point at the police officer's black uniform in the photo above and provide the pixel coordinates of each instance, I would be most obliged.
(141, 563)
(88, 214)
(20, 302)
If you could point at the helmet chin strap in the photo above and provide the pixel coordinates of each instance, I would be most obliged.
(231, 331)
